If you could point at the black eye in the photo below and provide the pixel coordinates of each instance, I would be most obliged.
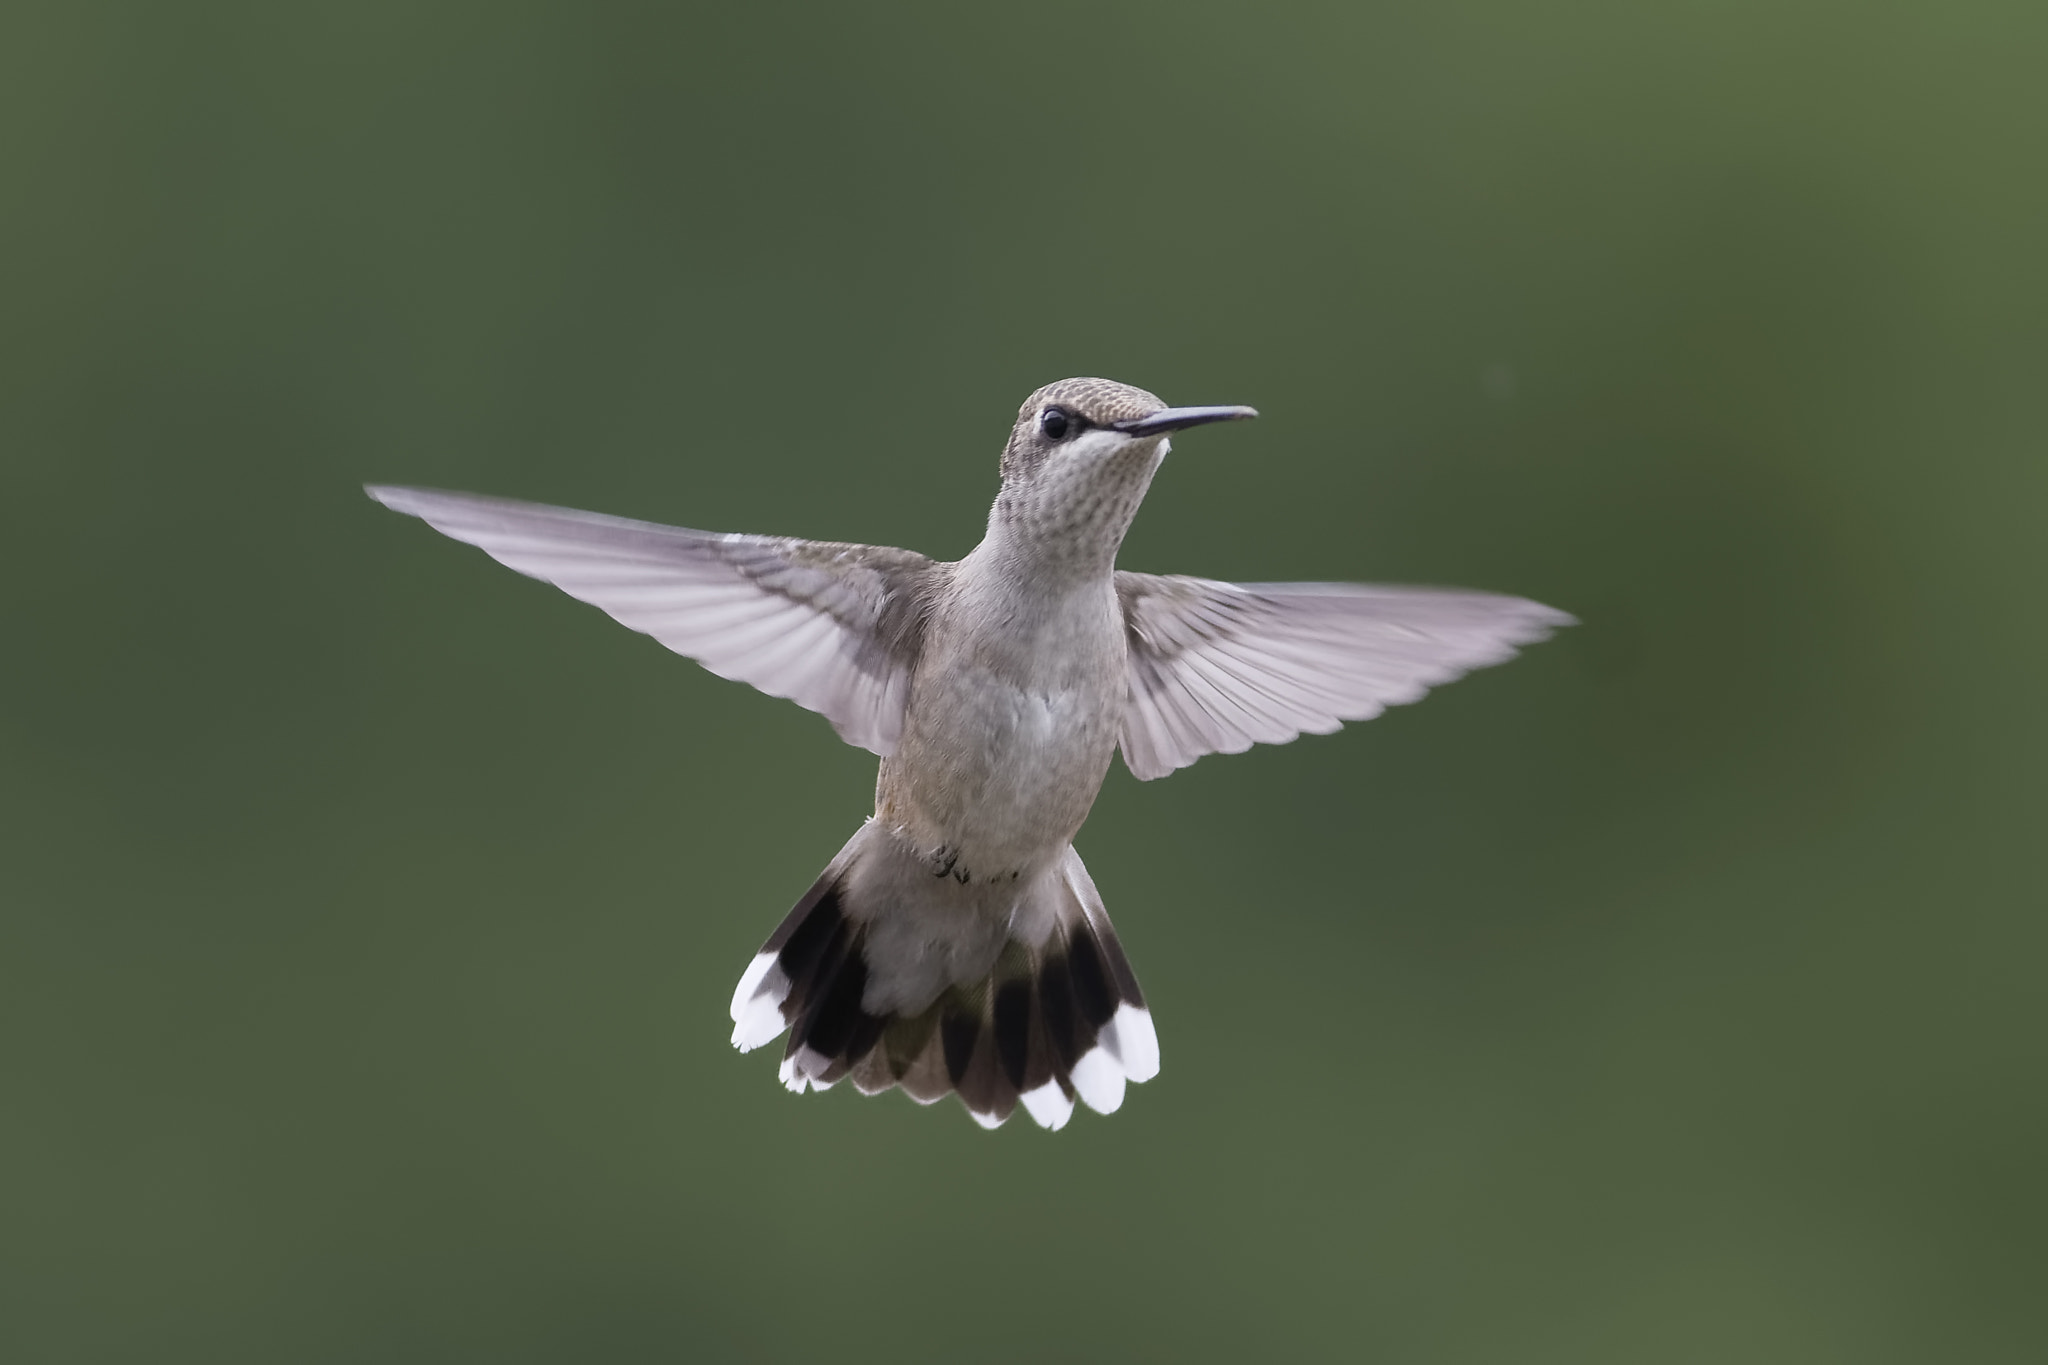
(1055, 423)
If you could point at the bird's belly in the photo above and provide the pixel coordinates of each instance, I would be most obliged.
(994, 778)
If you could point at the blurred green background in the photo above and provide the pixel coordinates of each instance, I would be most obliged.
(368, 913)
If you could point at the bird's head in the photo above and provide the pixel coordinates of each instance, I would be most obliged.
(1080, 458)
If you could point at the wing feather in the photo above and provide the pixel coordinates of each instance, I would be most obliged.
(835, 628)
(1216, 667)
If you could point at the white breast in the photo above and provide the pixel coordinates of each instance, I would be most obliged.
(1013, 719)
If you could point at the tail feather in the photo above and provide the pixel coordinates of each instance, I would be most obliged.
(1056, 1016)
(908, 1057)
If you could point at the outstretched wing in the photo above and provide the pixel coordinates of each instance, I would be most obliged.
(835, 628)
(1218, 667)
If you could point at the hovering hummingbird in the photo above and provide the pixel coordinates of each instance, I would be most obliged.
(956, 943)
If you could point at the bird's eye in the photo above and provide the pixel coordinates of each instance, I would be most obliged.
(1055, 423)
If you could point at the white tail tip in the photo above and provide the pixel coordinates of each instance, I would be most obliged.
(1049, 1105)
(1136, 1043)
(1099, 1081)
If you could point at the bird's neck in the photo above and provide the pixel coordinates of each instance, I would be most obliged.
(1053, 552)
(1066, 531)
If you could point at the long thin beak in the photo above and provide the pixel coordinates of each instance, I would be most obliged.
(1173, 419)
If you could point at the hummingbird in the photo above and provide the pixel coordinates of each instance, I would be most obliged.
(957, 944)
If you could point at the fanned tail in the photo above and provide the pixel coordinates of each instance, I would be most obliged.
(1041, 1011)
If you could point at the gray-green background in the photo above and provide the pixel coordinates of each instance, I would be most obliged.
(368, 913)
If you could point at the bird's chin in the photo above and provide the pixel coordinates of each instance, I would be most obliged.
(1138, 452)
(1103, 473)
(1147, 453)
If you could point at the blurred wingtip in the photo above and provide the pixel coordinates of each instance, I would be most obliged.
(394, 496)
(1541, 619)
